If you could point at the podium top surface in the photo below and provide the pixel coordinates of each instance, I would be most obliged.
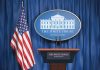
(58, 49)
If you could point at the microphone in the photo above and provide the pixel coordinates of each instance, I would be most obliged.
(58, 42)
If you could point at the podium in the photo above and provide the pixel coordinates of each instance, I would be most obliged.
(58, 57)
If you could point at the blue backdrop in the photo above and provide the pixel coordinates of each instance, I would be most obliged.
(87, 40)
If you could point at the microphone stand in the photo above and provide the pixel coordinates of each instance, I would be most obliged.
(58, 42)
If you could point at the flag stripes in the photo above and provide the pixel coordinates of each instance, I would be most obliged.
(23, 47)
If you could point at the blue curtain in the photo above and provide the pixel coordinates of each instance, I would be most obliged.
(88, 40)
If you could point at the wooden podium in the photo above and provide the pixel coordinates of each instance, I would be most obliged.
(58, 57)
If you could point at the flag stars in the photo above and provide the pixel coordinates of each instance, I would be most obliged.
(24, 16)
(22, 25)
(23, 10)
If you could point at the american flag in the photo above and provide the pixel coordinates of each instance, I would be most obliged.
(21, 43)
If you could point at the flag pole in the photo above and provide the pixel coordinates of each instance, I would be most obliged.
(22, 3)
